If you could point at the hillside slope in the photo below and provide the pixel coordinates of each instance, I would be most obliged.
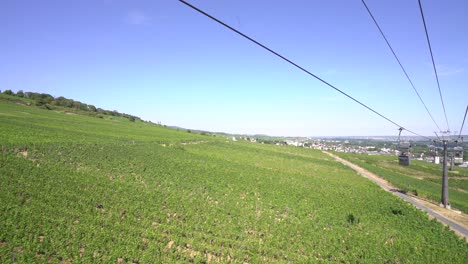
(81, 189)
(420, 178)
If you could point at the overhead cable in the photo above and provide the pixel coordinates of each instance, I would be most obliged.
(433, 64)
(297, 66)
(463, 123)
(401, 66)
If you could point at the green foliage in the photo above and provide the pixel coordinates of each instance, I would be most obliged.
(351, 219)
(92, 108)
(20, 93)
(40, 102)
(420, 178)
(397, 211)
(47, 101)
(8, 92)
(90, 190)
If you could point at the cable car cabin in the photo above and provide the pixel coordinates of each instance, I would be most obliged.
(404, 158)
(433, 151)
(457, 155)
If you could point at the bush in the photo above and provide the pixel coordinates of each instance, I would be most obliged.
(8, 92)
(20, 93)
(40, 102)
(352, 219)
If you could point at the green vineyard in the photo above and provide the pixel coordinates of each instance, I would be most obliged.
(80, 189)
(420, 179)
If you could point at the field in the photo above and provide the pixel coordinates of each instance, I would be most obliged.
(78, 189)
(420, 178)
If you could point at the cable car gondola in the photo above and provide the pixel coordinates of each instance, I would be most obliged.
(404, 156)
(434, 153)
(404, 149)
(457, 155)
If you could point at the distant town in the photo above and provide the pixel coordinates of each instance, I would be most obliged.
(422, 149)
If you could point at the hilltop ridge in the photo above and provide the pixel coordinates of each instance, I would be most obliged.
(49, 102)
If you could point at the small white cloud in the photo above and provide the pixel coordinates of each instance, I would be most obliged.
(444, 70)
(137, 18)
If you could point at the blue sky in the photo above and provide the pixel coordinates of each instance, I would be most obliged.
(163, 61)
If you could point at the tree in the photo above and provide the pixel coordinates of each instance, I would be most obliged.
(20, 93)
(84, 107)
(8, 92)
(92, 108)
(40, 102)
(47, 97)
(76, 104)
(60, 101)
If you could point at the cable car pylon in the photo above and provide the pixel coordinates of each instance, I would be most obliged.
(444, 196)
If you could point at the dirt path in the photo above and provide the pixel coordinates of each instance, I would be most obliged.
(456, 220)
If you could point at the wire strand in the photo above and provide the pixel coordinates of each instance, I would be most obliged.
(297, 66)
(433, 64)
(401, 66)
(463, 123)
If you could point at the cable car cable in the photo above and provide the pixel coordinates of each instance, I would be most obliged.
(463, 123)
(296, 65)
(433, 64)
(401, 66)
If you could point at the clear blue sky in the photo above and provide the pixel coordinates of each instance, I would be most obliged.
(162, 61)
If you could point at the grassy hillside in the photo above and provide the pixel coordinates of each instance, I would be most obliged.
(62, 104)
(80, 189)
(421, 178)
